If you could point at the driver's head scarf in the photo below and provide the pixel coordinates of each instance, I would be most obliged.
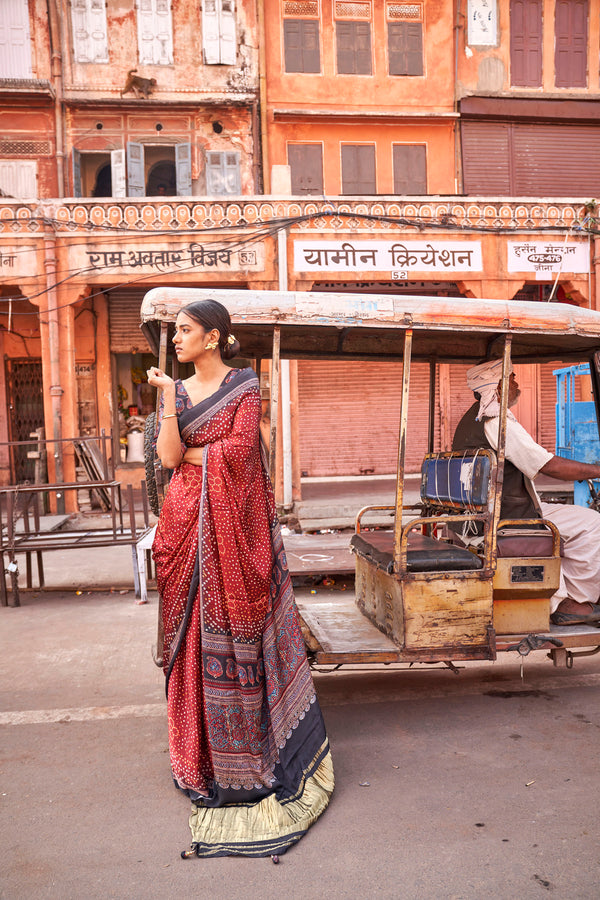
(484, 380)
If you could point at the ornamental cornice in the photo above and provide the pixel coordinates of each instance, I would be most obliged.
(309, 215)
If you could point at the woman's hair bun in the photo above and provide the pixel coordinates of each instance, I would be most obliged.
(230, 350)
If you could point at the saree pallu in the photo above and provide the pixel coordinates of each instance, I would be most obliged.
(246, 735)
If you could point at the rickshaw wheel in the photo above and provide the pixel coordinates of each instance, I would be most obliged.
(150, 463)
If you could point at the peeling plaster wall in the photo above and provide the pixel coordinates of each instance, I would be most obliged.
(187, 76)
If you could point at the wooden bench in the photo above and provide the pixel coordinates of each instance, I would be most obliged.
(22, 502)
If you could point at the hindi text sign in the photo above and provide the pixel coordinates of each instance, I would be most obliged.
(548, 258)
(398, 257)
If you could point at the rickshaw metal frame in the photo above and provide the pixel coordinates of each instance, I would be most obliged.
(362, 328)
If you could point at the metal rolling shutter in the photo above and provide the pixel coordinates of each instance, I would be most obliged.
(556, 160)
(538, 159)
(547, 407)
(461, 397)
(486, 158)
(124, 322)
(349, 416)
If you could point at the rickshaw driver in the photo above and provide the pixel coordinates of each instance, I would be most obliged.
(579, 526)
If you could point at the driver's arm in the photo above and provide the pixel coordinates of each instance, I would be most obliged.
(570, 469)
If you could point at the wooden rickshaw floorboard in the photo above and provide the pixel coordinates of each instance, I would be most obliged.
(347, 636)
(342, 631)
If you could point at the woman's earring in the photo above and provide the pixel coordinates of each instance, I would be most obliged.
(212, 346)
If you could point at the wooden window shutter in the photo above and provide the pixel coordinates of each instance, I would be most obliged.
(570, 43)
(526, 43)
(353, 40)
(77, 189)
(218, 32)
(363, 48)
(18, 178)
(301, 45)
(136, 181)
(145, 30)
(358, 169)
(210, 32)
(410, 169)
(232, 173)
(90, 33)
(405, 48)
(223, 172)
(118, 173)
(183, 169)
(306, 164)
(155, 32)
(15, 47)
(227, 47)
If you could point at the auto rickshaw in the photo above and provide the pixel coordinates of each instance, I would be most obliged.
(424, 593)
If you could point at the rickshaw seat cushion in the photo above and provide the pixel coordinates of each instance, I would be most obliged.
(424, 554)
(457, 480)
(523, 542)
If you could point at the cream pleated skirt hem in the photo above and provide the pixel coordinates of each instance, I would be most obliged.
(266, 828)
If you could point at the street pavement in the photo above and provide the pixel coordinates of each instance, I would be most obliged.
(454, 786)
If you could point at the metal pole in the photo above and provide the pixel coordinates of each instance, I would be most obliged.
(286, 414)
(275, 365)
(491, 551)
(158, 653)
(402, 447)
(431, 434)
(56, 390)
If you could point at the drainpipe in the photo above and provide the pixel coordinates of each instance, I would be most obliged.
(262, 87)
(56, 390)
(591, 209)
(457, 132)
(57, 56)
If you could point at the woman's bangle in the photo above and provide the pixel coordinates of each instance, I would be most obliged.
(170, 416)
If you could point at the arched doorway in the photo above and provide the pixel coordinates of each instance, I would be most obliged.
(162, 179)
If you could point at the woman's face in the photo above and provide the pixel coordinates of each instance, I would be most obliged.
(190, 338)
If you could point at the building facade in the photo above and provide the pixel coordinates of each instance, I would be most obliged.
(445, 148)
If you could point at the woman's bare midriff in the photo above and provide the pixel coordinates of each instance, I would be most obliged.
(193, 455)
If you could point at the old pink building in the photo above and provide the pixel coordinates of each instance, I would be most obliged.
(141, 136)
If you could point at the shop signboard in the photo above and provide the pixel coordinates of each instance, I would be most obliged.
(548, 258)
(398, 259)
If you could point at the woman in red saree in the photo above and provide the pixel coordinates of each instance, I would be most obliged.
(246, 736)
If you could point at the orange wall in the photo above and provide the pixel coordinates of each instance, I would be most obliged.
(331, 109)
(484, 69)
(437, 138)
(431, 92)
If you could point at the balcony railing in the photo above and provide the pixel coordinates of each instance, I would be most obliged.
(310, 214)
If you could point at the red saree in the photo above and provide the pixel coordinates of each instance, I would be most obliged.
(246, 736)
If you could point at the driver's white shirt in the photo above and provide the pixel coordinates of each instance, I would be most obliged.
(521, 449)
(579, 526)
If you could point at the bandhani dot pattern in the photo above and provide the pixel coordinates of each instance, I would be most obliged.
(238, 679)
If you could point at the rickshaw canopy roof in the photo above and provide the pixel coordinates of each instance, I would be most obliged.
(332, 325)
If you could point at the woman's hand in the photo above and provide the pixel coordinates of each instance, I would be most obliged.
(157, 378)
